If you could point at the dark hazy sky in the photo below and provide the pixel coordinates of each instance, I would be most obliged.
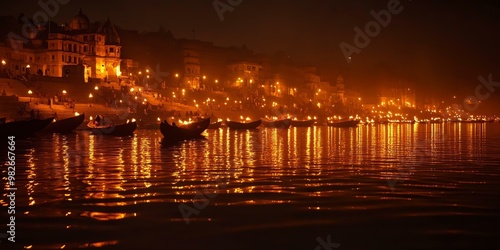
(443, 45)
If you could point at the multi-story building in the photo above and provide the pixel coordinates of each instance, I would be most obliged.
(92, 51)
(401, 97)
(243, 74)
(191, 59)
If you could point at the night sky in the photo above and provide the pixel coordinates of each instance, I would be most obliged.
(440, 47)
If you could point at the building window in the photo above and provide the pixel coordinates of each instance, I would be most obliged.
(63, 58)
(111, 50)
(74, 59)
(69, 59)
(85, 49)
(53, 58)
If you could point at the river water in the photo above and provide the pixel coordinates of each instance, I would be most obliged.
(404, 186)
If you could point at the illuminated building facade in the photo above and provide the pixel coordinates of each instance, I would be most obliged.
(94, 49)
(243, 74)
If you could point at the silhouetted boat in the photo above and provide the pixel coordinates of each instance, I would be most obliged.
(2, 120)
(243, 125)
(24, 128)
(215, 125)
(473, 121)
(303, 123)
(124, 129)
(65, 125)
(343, 124)
(284, 123)
(184, 131)
(381, 121)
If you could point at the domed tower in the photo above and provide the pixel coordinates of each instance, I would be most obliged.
(340, 88)
(112, 51)
(191, 58)
(109, 30)
(80, 22)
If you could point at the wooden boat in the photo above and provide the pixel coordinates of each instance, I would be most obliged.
(473, 121)
(24, 128)
(185, 131)
(343, 124)
(215, 125)
(124, 129)
(65, 125)
(283, 123)
(382, 121)
(303, 123)
(243, 125)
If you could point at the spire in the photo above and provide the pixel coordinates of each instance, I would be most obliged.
(108, 29)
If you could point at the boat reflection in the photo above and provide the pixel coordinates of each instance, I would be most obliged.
(144, 178)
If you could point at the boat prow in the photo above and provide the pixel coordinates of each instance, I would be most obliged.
(65, 125)
(124, 129)
(283, 123)
(24, 128)
(243, 125)
(183, 132)
(344, 124)
(303, 123)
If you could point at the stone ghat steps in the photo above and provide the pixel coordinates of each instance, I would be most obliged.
(13, 87)
(75, 91)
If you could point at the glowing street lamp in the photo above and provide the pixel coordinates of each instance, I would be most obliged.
(64, 92)
(96, 87)
(204, 77)
(176, 75)
(29, 93)
(4, 62)
(90, 97)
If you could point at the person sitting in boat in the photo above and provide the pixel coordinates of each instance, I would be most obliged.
(174, 125)
(97, 120)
